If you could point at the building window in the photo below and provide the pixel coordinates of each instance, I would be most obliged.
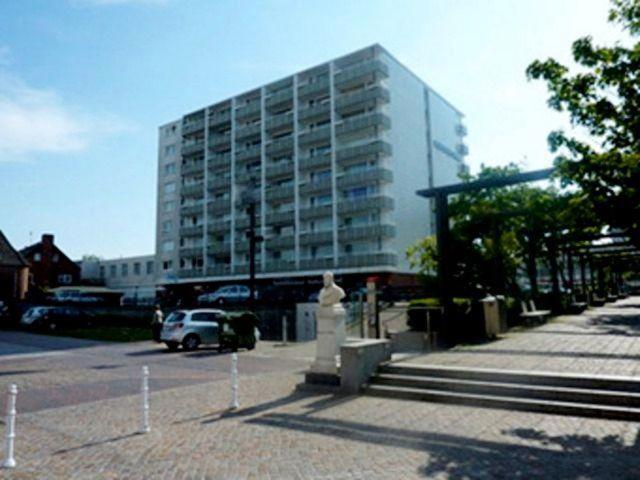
(65, 279)
(149, 268)
(136, 268)
(113, 271)
(55, 258)
(169, 206)
(170, 149)
(166, 265)
(168, 246)
(37, 257)
(169, 168)
(102, 273)
(169, 187)
(124, 269)
(167, 226)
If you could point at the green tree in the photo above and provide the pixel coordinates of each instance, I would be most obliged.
(604, 98)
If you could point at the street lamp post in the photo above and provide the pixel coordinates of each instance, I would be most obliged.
(249, 199)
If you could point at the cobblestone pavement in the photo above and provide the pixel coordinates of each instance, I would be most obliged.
(284, 432)
(603, 340)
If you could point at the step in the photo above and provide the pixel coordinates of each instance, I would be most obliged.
(492, 401)
(516, 390)
(558, 379)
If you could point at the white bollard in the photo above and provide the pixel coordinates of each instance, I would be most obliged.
(9, 461)
(234, 382)
(284, 330)
(145, 428)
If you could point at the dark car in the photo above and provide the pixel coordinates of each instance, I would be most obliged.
(54, 318)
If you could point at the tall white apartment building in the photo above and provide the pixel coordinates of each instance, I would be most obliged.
(336, 153)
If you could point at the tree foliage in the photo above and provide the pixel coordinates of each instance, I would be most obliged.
(604, 99)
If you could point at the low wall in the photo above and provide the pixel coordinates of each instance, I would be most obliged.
(359, 360)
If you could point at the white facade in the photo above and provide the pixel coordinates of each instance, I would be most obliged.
(133, 276)
(337, 153)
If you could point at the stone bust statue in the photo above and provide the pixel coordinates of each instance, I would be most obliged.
(331, 294)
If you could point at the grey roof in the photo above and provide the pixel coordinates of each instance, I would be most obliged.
(9, 256)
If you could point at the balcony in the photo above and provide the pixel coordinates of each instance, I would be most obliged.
(279, 121)
(280, 265)
(248, 131)
(281, 169)
(245, 176)
(191, 209)
(251, 109)
(315, 161)
(193, 126)
(462, 149)
(317, 186)
(461, 130)
(375, 149)
(219, 226)
(314, 112)
(191, 251)
(380, 202)
(220, 141)
(365, 177)
(316, 263)
(316, 238)
(368, 260)
(278, 192)
(219, 206)
(192, 147)
(319, 134)
(191, 168)
(364, 72)
(363, 232)
(370, 97)
(316, 212)
(219, 183)
(279, 98)
(280, 145)
(224, 269)
(218, 248)
(319, 86)
(241, 268)
(219, 118)
(371, 120)
(250, 153)
(220, 160)
(196, 190)
(190, 273)
(191, 231)
(280, 241)
(285, 217)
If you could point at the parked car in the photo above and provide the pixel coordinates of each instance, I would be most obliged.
(229, 294)
(54, 318)
(192, 328)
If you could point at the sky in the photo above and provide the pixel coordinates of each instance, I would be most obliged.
(84, 85)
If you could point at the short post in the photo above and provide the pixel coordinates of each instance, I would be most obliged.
(145, 428)
(284, 329)
(234, 382)
(9, 461)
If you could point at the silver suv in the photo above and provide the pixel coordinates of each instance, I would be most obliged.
(191, 328)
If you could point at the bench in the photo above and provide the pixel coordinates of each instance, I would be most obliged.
(531, 315)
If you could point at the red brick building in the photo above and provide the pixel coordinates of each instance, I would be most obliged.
(49, 266)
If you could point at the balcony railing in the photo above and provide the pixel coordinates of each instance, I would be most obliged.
(193, 190)
(281, 241)
(220, 183)
(278, 192)
(317, 186)
(362, 232)
(252, 108)
(364, 177)
(191, 251)
(192, 168)
(316, 212)
(316, 263)
(219, 226)
(367, 71)
(279, 121)
(279, 170)
(220, 118)
(280, 145)
(315, 161)
(219, 270)
(279, 98)
(194, 126)
(280, 217)
(220, 160)
(241, 268)
(218, 248)
(320, 85)
(217, 141)
(368, 260)
(280, 265)
(320, 110)
(371, 150)
(219, 206)
(189, 148)
(316, 135)
(369, 97)
(316, 238)
(190, 273)
(248, 153)
(248, 131)
(244, 176)
(380, 202)
(370, 120)
(191, 209)
(191, 231)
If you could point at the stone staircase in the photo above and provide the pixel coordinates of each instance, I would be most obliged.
(554, 393)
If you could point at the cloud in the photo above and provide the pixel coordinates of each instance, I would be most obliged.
(34, 120)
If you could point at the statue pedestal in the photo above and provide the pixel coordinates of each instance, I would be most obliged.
(331, 335)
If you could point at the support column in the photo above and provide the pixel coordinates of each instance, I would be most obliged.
(442, 238)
